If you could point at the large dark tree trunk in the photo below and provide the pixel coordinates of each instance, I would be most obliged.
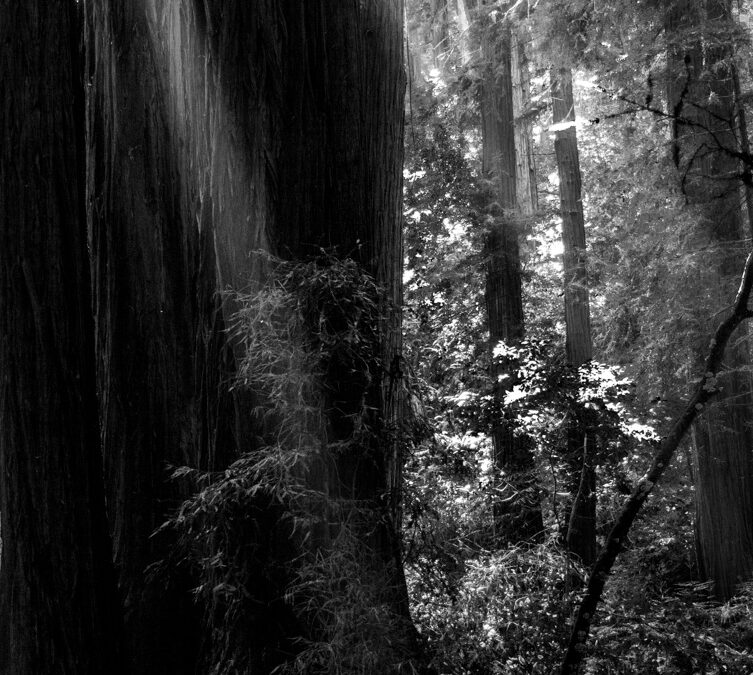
(581, 530)
(517, 508)
(701, 91)
(161, 362)
(58, 608)
(340, 189)
(217, 129)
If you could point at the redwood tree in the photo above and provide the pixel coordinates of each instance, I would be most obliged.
(701, 96)
(217, 129)
(340, 189)
(57, 590)
(517, 508)
(161, 361)
(581, 530)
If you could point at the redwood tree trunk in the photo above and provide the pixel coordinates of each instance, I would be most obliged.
(517, 510)
(525, 164)
(161, 362)
(235, 126)
(581, 530)
(701, 88)
(340, 189)
(217, 129)
(58, 606)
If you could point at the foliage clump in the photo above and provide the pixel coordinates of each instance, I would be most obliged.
(507, 613)
(271, 530)
(686, 631)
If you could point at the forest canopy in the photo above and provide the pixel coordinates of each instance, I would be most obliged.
(390, 336)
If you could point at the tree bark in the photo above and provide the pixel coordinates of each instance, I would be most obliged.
(58, 606)
(581, 531)
(704, 138)
(525, 164)
(162, 363)
(236, 127)
(340, 189)
(517, 510)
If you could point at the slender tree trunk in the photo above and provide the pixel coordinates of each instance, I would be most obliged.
(464, 27)
(724, 489)
(742, 133)
(581, 531)
(439, 33)
(577, 311)
(525, 165)
(517, 508)
(58, 607)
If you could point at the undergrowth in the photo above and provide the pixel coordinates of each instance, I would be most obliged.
(288, 582)
(487, 609)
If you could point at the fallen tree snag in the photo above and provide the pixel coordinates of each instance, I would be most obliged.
(705, 389)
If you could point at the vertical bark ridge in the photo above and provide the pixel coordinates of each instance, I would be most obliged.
(57, 588)
(162, 357)
(340, 189)
(525, 164)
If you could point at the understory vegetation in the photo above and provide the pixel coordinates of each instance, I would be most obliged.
(487, 607)
(307, 320)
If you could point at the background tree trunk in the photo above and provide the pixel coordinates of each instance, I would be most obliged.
(58, 605)
(517, 508)
(525, 164)
(581, 447)
(702, 91)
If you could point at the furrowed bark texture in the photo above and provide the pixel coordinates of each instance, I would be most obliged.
(222, 66)
(581, 531)
(57, 587)
(236, 127)
(221, 69)
(517, 509)
(703, 90)
(161, 359)
(340, 181)
(525, 164)
(707, 388)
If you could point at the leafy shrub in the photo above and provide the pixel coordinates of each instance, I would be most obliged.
(508, 615)
(269, 530)
(348, 608)
(683, 632)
